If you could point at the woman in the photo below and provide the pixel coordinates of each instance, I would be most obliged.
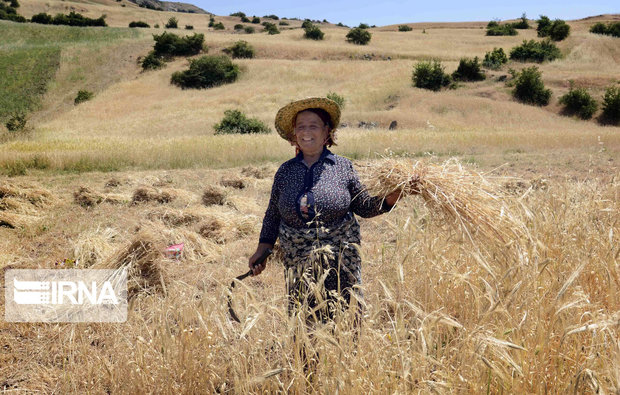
(314, 200)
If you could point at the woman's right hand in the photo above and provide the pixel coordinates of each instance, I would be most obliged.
(257, 269)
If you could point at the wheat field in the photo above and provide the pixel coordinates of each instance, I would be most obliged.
(443, 313)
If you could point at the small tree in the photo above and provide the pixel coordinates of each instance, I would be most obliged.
(404, 28)
(559, 30)
(364, 26)
(235, 121)
(173, 23)
(219, 26)
(468, 70)
(271, 28)
(138, 24)
(240, 49)
(495, 59)
(579, 102)
(522, 24)
(535, 51)
(544, 26)
(306, 24)
(206, 72)
(430, 75)
(238, 26)
(337, 98)
(313, 33)
(152, 62)
(358, 36)
(530, 89)
(256, 20)
(611, 105)
(249, 29)
(83, 96)
(501, 30)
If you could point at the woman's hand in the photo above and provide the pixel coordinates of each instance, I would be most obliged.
(257, 269)
(413, 189)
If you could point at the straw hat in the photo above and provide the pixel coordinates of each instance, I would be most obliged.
(287, 114)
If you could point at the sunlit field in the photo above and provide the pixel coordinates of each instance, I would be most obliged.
(122, 176)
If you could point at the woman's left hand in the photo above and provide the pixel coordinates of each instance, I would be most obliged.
(393, 197)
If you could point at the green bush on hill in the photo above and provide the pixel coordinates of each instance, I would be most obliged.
(557, 30)
(271, 28)
(337, 98)
(611, 29)
(71, 19)
(240, 49)
(16, 122)
(249, 29)
(238, 13)
(82, 96)
(152, 62)
(169, 44)
(529, 87)
(358, 36)
(522, 24)
(235, 121)
(206, 72)
(238, 26)
(495, 59)
(364, 26)
(283, 23)
(255, 20)
(430, 75)
(579, 102)
(500, 30)
(535, 51)
(245, 19)
(138, 24)
(468, 70)
(189, 27)
(306, 24)
(274, 17)
(404, 28)
(313, 33)
(9, 11)
(611, 105)
(173, 23)
(219, 26)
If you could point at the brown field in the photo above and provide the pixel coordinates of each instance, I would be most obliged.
(443, 315)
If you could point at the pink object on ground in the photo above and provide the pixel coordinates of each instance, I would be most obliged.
(174, 251)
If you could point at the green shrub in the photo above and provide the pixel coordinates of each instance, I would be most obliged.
(239, 14)
(306, 24)
(579, 102)
(42, 18)
(557, 30)
(240, 49)
(271, 28)
(156, 26)
(404, 28)
(611, 105)
(522, 24)
(16, 122)
(206, 72)
(173, 23)
(71, 19)
(544, 26)
(340, 24)
(283, 23)
(430, 75)
(9, 12)
(169, 44)
(358, 36)
(314, 33)
(152, 62)
(495, 59)
(83, 96)
(238, 26)
(275, 17)
(501, 30)
(611, 29)
(256, 20)
(189, 27)
(492, 24)
(219, 26)
(249, 29)
(529, 87)
(245, 19)
(535, 51)
(138, 24)
(364, 26)
(337, 98)
(235, 121)
(468, 70)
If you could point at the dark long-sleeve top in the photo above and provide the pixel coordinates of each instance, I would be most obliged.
(333, 190)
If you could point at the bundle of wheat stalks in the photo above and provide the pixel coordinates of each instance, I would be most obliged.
(463, 197)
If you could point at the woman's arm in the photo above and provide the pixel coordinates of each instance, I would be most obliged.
(269, 231)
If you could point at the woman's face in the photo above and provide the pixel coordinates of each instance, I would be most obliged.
(310, 132)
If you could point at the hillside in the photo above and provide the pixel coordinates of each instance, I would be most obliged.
(118, 178)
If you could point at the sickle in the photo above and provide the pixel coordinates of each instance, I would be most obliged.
(259, 261)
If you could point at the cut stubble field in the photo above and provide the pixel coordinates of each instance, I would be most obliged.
(134, 166)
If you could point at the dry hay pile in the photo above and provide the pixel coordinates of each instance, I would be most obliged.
(142, 259)
(178, 217)
(256, 172)
(150, 194)
(471, 201)
(21, 204)
(213, 195)
(94, 246)
(233, 182)
(224, 227)
(87, 198)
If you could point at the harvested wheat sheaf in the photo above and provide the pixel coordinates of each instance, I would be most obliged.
(233, 182)
(256, 172)
(470, 200)
(150, 194)
(213, 195)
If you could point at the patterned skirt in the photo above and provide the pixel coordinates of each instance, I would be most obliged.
(322, 269)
